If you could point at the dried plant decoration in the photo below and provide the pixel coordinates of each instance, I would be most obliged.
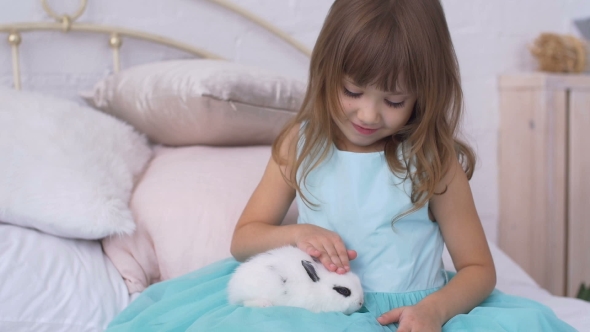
(560, 53)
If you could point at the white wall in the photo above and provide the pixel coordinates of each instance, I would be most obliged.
(490, 37)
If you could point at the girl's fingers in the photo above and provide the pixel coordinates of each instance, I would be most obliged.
(337, 258)
(327, 262)
(310, 249)
(318, 250)
(392, 316)
(333, 256)
(330, 251)
(343, 256)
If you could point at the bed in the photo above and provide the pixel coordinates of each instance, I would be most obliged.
(112, 182)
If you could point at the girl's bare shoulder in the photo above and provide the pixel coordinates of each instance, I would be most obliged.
(285, 149)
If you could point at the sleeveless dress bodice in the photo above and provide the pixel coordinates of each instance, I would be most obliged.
(357, 196)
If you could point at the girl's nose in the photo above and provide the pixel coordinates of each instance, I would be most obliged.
(368, 115)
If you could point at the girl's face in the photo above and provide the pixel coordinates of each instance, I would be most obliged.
(370, 115)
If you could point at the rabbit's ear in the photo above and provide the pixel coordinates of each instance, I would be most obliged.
(310, 270)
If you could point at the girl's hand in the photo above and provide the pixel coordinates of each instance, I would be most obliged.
(417, 318)
(327, 246)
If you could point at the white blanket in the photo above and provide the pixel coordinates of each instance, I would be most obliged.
(512, 279)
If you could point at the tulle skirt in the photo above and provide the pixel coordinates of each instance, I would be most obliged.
(198, 301)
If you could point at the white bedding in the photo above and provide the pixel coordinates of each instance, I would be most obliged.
(55, 284)
(512, 279)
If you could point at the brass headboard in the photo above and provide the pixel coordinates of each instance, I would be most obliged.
(67, 23)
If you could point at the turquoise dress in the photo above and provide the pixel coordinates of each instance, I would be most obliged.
(358, 197)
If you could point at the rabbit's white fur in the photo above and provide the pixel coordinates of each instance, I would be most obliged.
(278, 278)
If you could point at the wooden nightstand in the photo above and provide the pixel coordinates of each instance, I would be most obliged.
(544, 163)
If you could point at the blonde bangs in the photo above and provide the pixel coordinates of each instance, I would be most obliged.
(377, 54)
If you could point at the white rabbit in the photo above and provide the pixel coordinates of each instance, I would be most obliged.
(287, 276)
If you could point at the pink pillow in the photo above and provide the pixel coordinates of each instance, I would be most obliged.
(186, 207)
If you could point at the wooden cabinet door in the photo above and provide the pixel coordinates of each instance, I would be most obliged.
(578, 190)
(544, 165)
(533, 179)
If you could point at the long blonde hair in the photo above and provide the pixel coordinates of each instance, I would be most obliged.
(376, 42)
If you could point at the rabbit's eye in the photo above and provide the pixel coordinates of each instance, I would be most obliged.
(342, 291)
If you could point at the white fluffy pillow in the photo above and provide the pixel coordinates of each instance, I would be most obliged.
(66, 169)
(54, 284)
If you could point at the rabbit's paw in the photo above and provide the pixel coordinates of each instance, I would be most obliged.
(262, 303)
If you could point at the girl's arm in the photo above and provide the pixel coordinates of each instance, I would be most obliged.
(259, 229)
(463, 234)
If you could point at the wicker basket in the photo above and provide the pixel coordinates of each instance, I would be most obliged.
(557, 53)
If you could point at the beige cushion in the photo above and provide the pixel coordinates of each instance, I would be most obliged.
(185, 208)
(205, 102)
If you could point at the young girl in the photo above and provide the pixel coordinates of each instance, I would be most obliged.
(381, 182)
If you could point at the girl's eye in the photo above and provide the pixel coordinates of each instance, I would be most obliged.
(351, 94)
(395, 105)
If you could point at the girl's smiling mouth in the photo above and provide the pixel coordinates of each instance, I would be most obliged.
(363, 130)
